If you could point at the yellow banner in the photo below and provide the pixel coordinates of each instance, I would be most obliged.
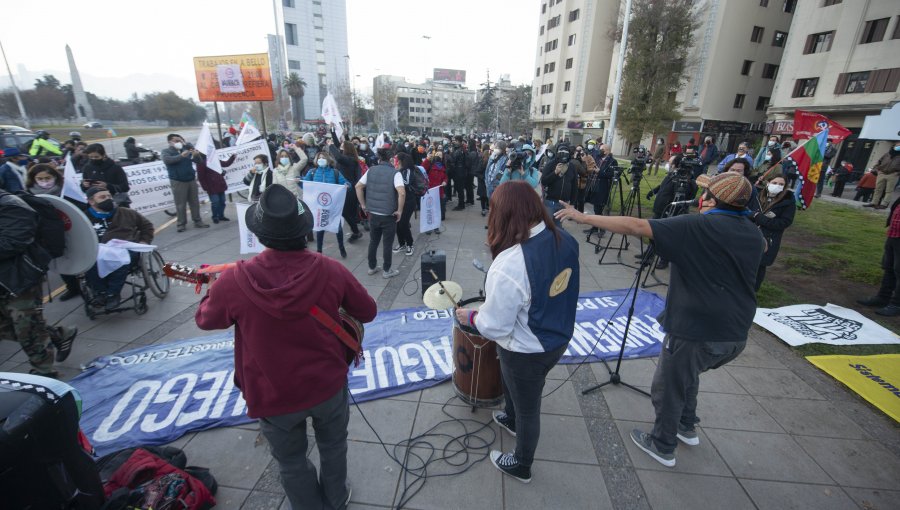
(875, 378)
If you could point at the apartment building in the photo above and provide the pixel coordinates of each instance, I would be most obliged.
(433, 106)
(842, 60)
(734, 63)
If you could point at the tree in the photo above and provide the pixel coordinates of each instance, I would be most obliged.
(384, 98)
(516, 103)
(659, 38)
(296, 88)
(485, 108)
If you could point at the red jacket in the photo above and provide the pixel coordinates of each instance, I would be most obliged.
(867, 181)
(285, 361)
(437, 174)
(210, 180)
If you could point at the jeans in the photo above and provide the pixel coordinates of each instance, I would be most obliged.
(217, 205)
(524, 375)
(553, 206)
(677, 381)
(111, 284)
(890, 262)
(287, 437)
(186, 194)
(404, 229)
(382, 230)
(320, 238)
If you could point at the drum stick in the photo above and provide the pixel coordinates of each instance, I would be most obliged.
(444, 289)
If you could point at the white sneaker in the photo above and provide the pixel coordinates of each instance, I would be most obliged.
(409, 251)
(399, 248)
(390, 274)
(374, 270)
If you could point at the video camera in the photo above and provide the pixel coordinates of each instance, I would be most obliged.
(688, 164)
(639, 162)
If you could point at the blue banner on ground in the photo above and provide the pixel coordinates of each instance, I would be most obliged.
(155, 394)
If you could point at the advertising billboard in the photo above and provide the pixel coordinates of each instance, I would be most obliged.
(450, 75)
(234, 78)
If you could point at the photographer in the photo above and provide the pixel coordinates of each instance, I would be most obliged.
(600, 180)
(560, 178)
(710, 306)
(178, 158)
(515, 171)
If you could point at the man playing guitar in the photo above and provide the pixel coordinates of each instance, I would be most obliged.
(289, 364)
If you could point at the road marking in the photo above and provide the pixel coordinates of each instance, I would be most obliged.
(62, 289)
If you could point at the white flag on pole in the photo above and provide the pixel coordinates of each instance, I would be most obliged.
(326, 203)
(72, 183)
(206, 145)
(430, 210)
(249, 242)
(331, 115)
(248, 134)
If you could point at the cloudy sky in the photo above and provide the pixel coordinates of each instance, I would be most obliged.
(122, 47)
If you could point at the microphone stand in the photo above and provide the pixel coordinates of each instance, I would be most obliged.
(615, 378)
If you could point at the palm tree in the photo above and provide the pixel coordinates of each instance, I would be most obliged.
(296, 88)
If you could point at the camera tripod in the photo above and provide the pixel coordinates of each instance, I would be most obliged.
(615, 185)
(627, 206)
(615, 378)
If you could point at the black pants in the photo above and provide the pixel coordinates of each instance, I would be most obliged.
(470, 188)
(864, 194)
(459, 184)
(838, 188)
(890, 262)
(351, 211)
(404, 229)
(482, 193)
(677, 381)
(581, 200)
(382, 231)
(524, 375)
(760, 276)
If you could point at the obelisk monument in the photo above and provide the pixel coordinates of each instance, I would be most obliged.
(83, 110)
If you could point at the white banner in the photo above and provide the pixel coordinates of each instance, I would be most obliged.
(326, 202)
(430, 210)
(230, 78)
(149, 182)
(829, 324)
(248, 134)
(206, 146)
(249, 242)
(331, 115)
(72, 183)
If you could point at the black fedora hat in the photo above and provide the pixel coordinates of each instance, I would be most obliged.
(279, 215)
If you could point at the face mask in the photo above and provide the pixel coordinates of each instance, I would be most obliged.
(775, 189)
(106, 205)
(46, 184)
(363, 146)
(260, 167)
(768, 157)
(178, 145)
(285, 161)
(897, 148)
(549, 154)
(772, 144)
(322, 162)
(741, 151)
(591, 147)
(406, 145)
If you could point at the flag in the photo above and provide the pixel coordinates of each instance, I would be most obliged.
(809, 124)
(331, 115)
(808, 158)
(206, 146)
(72, 183)
(249, 132)
(326, 203)
(430, 207)
(111, 133)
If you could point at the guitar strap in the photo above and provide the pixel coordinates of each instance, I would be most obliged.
(326, 320)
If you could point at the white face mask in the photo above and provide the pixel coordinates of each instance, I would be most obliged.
(362, 146)
(178, 145)
(285, 161)
(775, 189)
(260, 167)
(45, 184)
(321, 162)
(768, 157)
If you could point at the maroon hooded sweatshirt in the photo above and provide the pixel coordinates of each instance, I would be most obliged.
(285, 361)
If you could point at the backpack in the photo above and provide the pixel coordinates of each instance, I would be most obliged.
(51, 231)
(417, 184)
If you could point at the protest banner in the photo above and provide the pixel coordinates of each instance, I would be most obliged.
(326, 203)
(234, 78)
(249, 242)
(430, 210)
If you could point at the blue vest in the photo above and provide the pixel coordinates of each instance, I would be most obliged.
(552, 319)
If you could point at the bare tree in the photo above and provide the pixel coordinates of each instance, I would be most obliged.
(384, 100)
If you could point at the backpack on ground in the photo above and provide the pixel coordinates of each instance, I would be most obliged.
(51, 231)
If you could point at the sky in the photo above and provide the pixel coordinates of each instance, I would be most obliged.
(122, 47)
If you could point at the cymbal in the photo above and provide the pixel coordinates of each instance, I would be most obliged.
(437, 299)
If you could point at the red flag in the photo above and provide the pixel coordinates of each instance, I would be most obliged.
(808, 124)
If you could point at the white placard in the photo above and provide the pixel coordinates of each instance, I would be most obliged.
(829, 324)
(326, 203)
(230, 78)
(430, 210)
(249, 242)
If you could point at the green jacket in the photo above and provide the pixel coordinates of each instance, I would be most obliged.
(40, 147)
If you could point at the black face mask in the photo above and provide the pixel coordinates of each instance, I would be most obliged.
(106, 206)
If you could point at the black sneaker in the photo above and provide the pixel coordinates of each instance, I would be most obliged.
(354, 237)
(889, 311)
(507, 463)
(223, 218)
(874, 301)
(399, 248)
(505, 422)
(62, 339)
(459, 208)
(687, 436)
(645, 442)
(112, 303)
(53, 374)
(343, 252)
(69, 294)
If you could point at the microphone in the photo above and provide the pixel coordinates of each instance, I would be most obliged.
(690, 203)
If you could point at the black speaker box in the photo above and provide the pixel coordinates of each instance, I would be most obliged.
(433, 261)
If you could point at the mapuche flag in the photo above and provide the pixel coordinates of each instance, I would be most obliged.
(808, 158)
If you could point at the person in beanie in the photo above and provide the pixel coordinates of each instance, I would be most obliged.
(714, 257)
(288, 366)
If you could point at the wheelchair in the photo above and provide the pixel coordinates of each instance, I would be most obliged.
(145, 274)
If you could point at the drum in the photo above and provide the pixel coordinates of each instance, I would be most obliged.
(476, 368)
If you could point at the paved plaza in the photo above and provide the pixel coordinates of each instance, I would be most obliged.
(776, 433)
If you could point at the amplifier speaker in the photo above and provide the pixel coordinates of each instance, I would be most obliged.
(433, 261)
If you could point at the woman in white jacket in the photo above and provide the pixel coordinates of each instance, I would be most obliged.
(287, 173)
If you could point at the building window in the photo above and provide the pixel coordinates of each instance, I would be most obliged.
(573, 15)
(294, 65)
(571, 39)
(832, 2)
(290, 34)
(770, 71)
(542, 30)
(762, 103)
(874, 31)
(551, 45)
(757, 34)
(537, 71)
(549, 68)
(805, 87)
(789, 5)
(856, 82)
(288, 3)
(554, 22)
(896, 29)
(565, 106)
(739, 101)
(567, 86)
(763, 3)
(779, 38)
(543, 8)
(818, 43)
(569, 62)
(745, 68)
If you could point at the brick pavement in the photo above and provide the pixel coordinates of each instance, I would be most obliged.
(775, 432)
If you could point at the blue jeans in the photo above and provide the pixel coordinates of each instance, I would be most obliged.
(217, 204)
(111, 284)
(553, 206)
(320, 238)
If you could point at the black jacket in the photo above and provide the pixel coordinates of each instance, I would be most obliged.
(132, 151)
(106, 170)
(560, 188)
(23, 262)
(665, 193)
(456, 163)
(473, 163)
(598, 185)
(773, 228)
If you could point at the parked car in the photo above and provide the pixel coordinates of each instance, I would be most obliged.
(93, 125)
(19, 137)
